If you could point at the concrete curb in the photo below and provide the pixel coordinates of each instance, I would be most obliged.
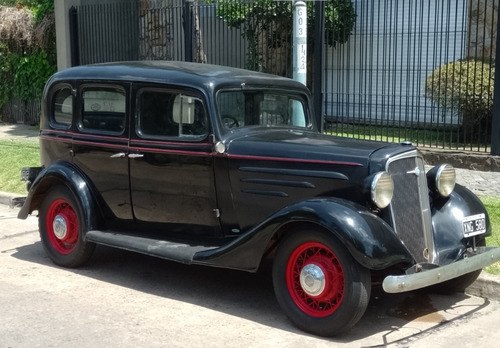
(6, 197)
(486, 286)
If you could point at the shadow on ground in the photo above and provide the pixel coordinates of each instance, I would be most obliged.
(250, 296)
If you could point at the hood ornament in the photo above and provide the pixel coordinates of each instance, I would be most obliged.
(415, 172)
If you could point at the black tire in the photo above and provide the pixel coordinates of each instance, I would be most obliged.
(458, 284)
(62, 225)
(323, 308)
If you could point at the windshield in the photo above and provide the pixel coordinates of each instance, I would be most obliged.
(260, 108)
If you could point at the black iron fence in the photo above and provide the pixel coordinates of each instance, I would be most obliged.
(419, 70)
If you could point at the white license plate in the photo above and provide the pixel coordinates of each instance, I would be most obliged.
(474, 224)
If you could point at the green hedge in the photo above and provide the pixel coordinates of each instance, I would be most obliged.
(5, 74)
(465, 86)
(27, 49)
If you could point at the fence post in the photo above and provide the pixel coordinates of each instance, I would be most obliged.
(317, 83)
(73, 36)
(495, 119)
(188, 30)
(299, 40)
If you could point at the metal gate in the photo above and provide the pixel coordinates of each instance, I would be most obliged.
(374, 86)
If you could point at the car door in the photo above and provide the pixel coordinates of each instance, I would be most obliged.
(100, 145)
(171, 164)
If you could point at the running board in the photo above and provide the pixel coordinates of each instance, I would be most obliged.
(179, 252)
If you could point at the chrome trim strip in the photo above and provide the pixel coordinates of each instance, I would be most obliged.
(285, 159)
(409, 282)
(301, 184)
(296, 172)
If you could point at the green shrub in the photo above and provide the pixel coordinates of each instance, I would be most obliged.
(27, 50)
(30, 75)
(5, 74)
(39, 7)
(465, 86)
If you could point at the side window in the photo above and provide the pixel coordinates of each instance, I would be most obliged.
(231, 109)
(62, 107)
(103, 109)
(163, 113)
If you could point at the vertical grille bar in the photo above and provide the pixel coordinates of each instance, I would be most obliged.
(410, 205)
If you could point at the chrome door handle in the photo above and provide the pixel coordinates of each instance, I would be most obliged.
(118, 155)
(136, 155)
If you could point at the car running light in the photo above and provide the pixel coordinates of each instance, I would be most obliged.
(382, 189)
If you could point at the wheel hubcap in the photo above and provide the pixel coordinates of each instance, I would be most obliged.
(315, 279)
(60, 227)
(312, 280)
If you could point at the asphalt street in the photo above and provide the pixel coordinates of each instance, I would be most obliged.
(122, 299)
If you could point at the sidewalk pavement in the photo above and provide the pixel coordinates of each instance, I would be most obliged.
(481, 182)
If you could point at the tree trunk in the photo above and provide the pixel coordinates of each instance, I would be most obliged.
(200, 56)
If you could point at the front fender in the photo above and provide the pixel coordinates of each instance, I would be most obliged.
(447, 217)
(59, 173)
(369, 239)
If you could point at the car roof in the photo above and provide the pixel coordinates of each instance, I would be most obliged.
(197, 75)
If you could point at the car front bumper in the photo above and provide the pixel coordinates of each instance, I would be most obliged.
(482, 257)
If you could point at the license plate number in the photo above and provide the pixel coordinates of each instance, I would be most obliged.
(474, 224)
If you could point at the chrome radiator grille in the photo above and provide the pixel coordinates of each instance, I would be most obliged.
(410, 209)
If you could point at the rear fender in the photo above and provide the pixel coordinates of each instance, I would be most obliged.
(61, 173)
(369, 239)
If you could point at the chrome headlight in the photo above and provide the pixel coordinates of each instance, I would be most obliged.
(444, 179)
(382, 188)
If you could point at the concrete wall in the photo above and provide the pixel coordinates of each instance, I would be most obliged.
(61, 10)
(482, 30)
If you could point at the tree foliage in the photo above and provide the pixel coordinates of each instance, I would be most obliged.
(340, 21)
(27, 48)
(39, 7)
(270, 22)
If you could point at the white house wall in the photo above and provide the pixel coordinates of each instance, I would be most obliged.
(380, 73)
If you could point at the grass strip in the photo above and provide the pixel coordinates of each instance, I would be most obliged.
(15, 155)
(492, 205)
(441, 138)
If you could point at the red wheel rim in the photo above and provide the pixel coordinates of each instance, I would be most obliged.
(325, 293)
(62, 226)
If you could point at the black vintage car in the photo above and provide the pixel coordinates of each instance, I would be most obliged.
(224, 167)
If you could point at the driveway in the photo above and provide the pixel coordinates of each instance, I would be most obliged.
(18, 131)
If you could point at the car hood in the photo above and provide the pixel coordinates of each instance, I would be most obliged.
(306, 146)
